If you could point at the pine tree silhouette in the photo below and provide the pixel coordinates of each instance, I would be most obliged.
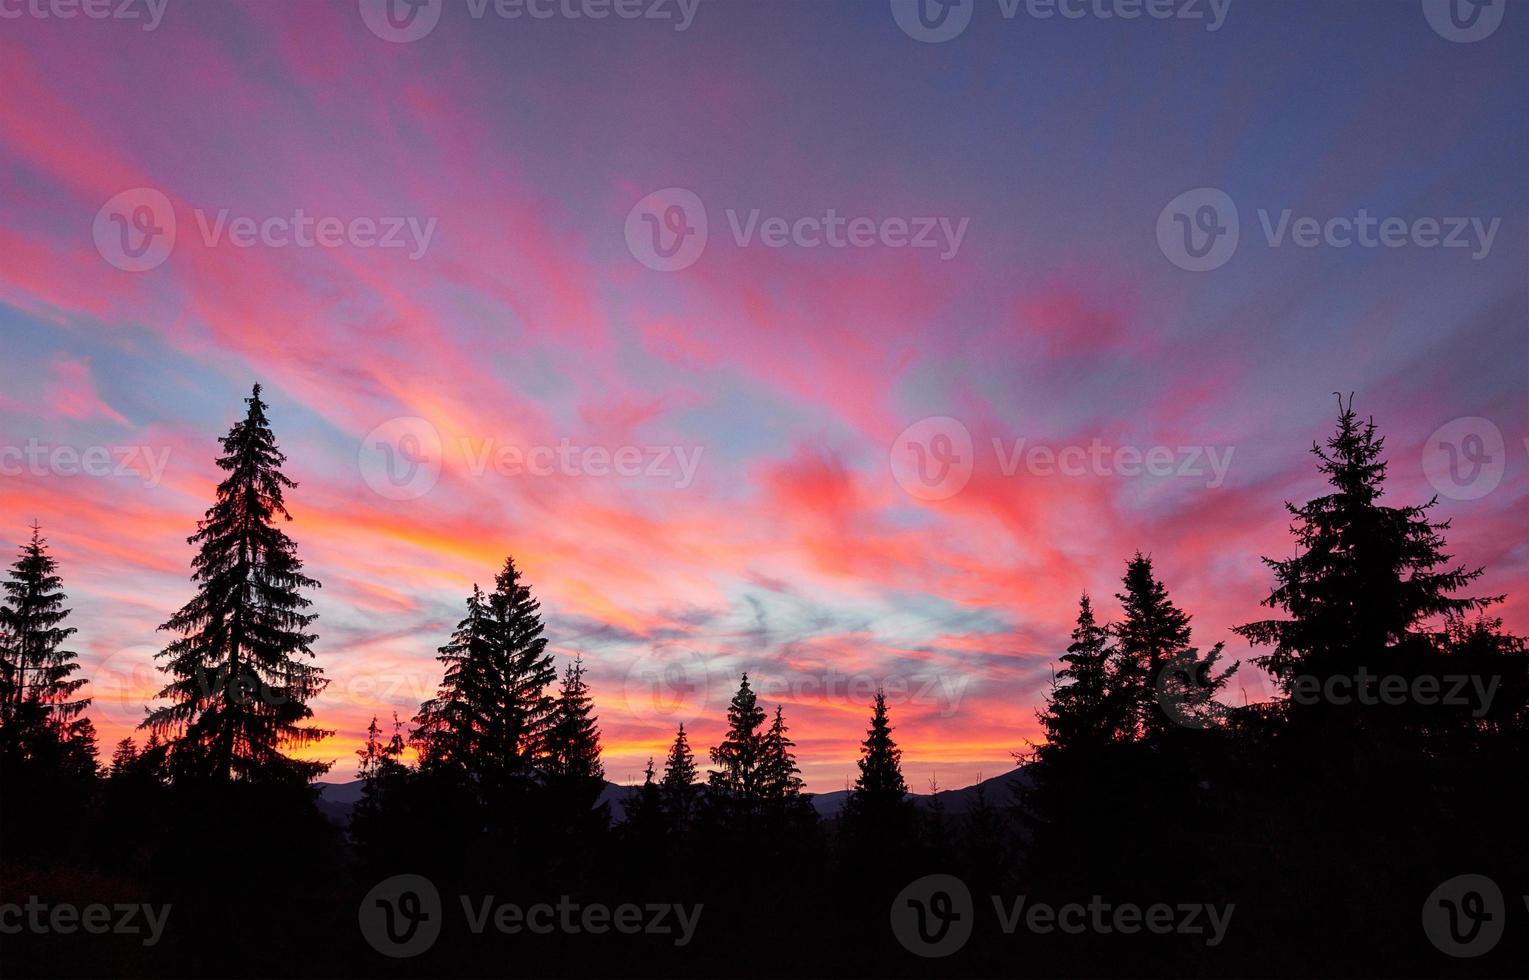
(39, 714)
(454, 730)
(124, 758)
(1364, 594)
(240, 681)
(573, 772)
(80, 749)
(1152, 633)
(488, 724)
(1081, 712)
(878, 817)
(134, 764)
(736, 783)
(1365, 575)
(528, 674)
(880, 797)
(678, 788)
(779, 777)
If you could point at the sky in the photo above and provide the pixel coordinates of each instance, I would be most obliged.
(816, 340)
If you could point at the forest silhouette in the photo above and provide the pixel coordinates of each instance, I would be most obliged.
(1326, 818)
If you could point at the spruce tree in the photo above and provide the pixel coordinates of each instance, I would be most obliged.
(1364, 576)
(572, 768)
(79, 756)
(878, 816)
(678, 787)
(880, 796)
(455, 730)
(1081, 713)
(779, 777)
(39, 712)
(1074, 791)
(240, 680)
(1152, 633)
(488, 722)
(528, 673)
(739, 757)
(132, 763)
(124, 758)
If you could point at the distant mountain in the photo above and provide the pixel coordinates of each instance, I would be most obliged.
(336, 800)
(999, 791)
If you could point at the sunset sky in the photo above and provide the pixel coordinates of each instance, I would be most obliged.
(517, 157)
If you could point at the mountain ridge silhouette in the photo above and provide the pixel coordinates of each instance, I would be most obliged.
(336, 800)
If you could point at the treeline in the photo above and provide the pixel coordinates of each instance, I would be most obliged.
(1325, 820)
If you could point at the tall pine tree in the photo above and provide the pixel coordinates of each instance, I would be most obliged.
(1364, 576)
(1081, 712)
(779, 777)
(572, 769)
(124, 758)
(455, 730)
(240, 676)
(678, 787)
(1152, 634)
(528, 673)
(879, 811)
(739, 757)
(39, 712)
(488, 721)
